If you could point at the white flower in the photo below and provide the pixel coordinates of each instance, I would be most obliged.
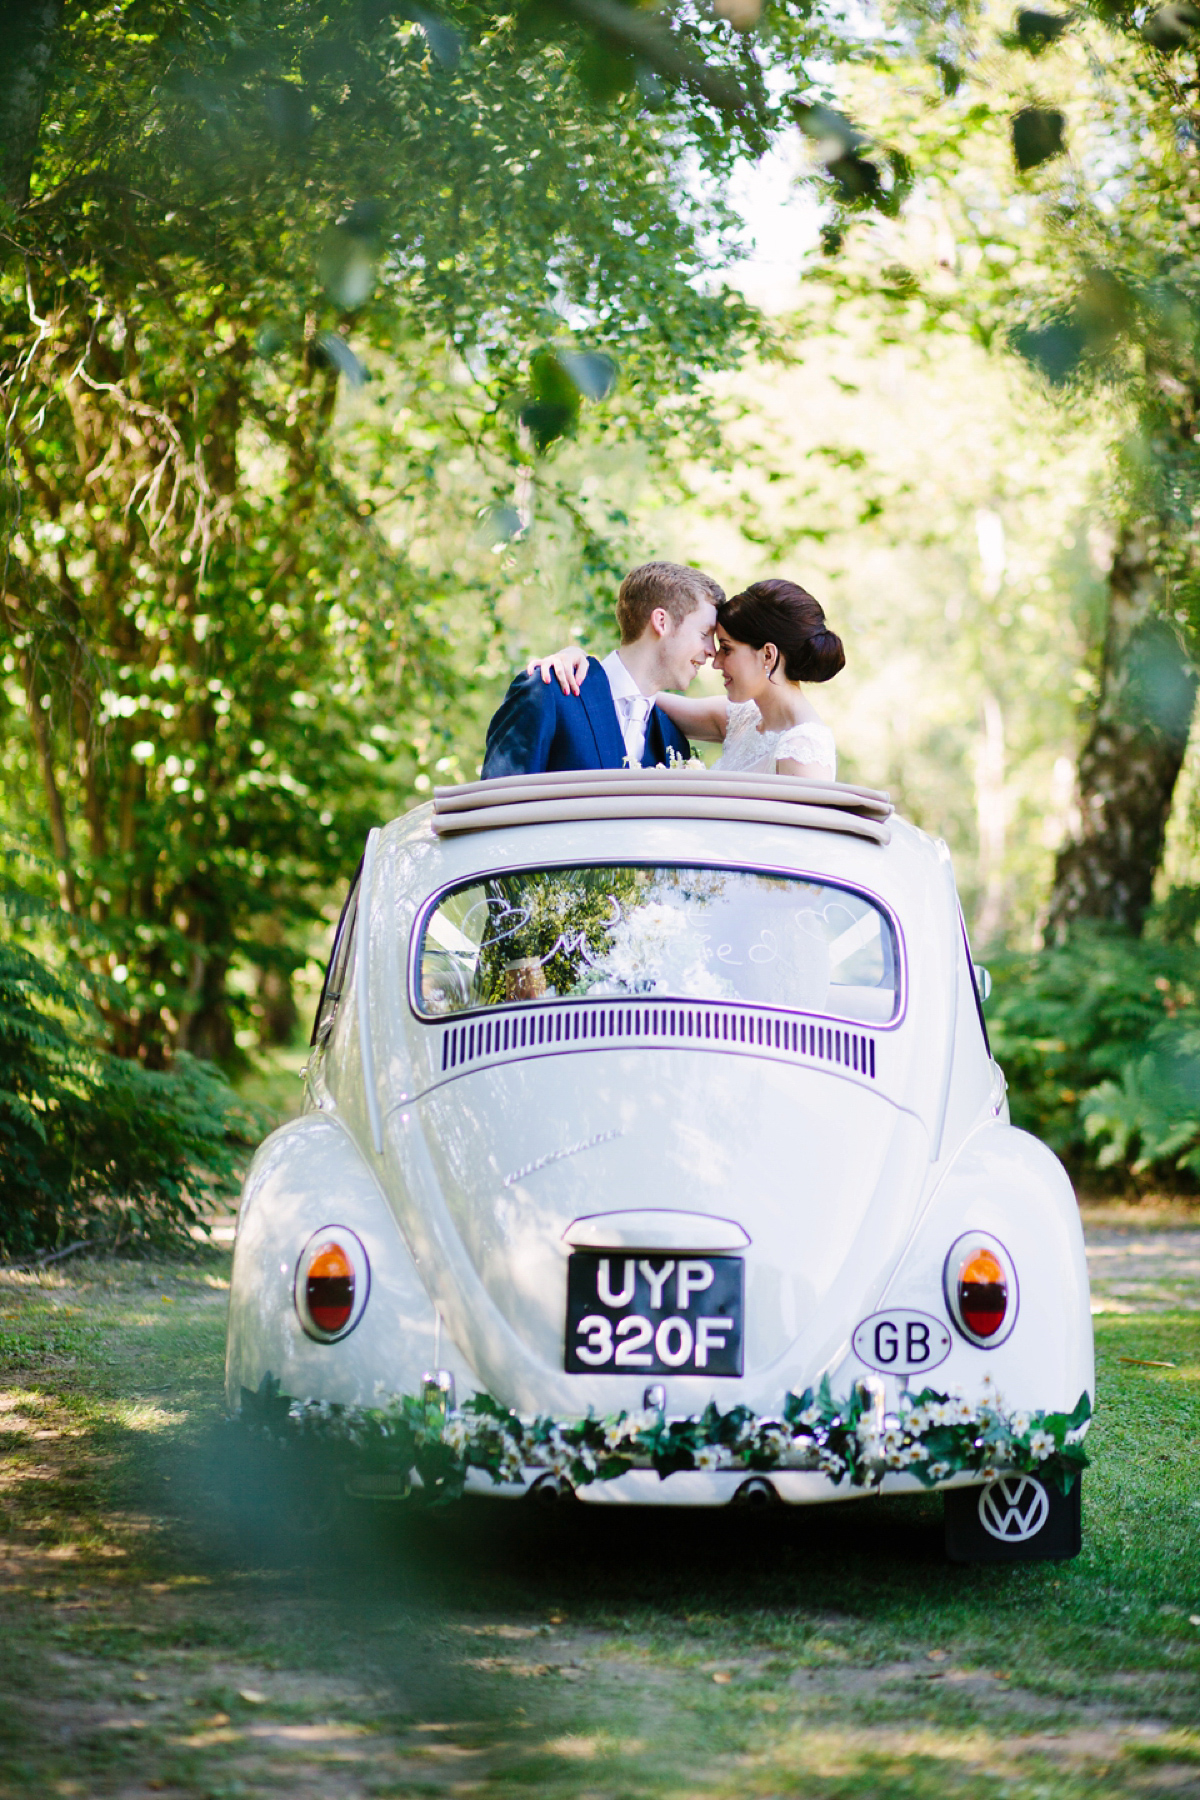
(613, 1434)
(772, 1440)
(939, 1470)
(913, 1453)
(1041, 1445)
(811, 1416)
(831, 1464)
(893, 1440)
(960, 1412)
(918, 1420)
(1021, 1422)
(708, 1456)
(456, 1435)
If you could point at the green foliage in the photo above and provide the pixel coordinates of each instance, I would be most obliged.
(93, 1145)
(1100, 1041)
(931, 1435)
(299, 308)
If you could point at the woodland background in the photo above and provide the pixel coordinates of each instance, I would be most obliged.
(350, 351)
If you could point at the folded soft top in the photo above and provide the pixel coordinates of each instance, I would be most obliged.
(662, 794)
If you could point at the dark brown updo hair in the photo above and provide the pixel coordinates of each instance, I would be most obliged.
(786, 615)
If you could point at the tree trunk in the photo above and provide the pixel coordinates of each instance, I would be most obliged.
(1131, 760)
(29, 31)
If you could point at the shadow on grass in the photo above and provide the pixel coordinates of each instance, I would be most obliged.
(608, 1562)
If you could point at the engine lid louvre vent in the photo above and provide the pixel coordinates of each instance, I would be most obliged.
(593, 1025)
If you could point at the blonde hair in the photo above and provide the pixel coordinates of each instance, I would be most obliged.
(677, 590)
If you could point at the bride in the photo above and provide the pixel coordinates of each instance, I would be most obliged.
(771, 640)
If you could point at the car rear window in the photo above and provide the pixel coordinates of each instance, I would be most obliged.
(687, 933)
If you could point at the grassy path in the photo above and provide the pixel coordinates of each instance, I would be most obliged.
(489, 1652)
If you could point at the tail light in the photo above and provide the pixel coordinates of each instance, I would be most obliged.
(329, 1289)
(981, 1289)
(332, 1281)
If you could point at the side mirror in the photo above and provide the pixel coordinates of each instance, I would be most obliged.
(983, 982)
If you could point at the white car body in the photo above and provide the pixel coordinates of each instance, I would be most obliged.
(470, 1169)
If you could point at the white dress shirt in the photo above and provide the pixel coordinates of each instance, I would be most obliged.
(633, 707)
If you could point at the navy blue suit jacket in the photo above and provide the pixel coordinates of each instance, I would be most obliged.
(538, 728)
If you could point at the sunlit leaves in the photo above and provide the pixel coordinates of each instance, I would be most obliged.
(224, 540)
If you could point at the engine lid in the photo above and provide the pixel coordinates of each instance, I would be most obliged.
(507, 1170)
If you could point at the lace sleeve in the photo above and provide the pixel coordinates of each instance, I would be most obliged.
(811, 743)
(743, 716)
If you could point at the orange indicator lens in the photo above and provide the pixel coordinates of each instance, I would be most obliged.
(982, 1294)
(329, 1290)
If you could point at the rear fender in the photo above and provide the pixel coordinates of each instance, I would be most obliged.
(1007, 1183)
(306, 1176)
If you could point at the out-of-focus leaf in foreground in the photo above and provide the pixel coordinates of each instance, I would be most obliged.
(1171, 27)
(347, 255)
(593, 373)
(1037, 135)
(1035, 30)
(333, 352)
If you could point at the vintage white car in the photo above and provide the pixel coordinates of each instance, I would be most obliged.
(654, 1152)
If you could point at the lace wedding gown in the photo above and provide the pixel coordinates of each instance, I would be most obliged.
(747, 749)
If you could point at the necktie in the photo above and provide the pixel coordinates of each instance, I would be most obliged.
(635, 730)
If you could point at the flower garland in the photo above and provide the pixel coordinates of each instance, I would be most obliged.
(933, 1436)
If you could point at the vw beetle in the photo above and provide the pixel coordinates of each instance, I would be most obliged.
(652, 1133)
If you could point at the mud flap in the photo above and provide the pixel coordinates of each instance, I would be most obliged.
(1015, 1518)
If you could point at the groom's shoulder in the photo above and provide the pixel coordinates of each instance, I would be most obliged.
(530, 686)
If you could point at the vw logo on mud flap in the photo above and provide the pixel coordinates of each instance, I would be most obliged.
(1013, 1508)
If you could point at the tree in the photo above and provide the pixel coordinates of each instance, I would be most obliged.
(1088, 275)
(30, 30)
(224, 656)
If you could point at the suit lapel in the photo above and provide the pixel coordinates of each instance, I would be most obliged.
(655, 751)
(601, 714)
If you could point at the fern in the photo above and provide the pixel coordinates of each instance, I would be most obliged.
(92, 1145)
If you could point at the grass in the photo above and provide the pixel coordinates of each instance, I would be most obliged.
(150, 1646)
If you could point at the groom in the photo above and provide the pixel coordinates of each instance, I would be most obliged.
(666, 614)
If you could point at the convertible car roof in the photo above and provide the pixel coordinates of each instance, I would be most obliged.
(661, 794)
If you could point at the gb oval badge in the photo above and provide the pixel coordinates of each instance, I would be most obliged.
(900, 1342)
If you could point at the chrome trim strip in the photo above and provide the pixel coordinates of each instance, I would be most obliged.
(362, 990)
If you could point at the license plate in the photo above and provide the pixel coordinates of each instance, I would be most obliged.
(658, 1315)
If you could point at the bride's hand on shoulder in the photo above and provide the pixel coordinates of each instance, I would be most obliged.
(568, 666)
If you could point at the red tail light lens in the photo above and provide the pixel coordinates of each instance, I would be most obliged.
(332, 1283)
(983, 1294)
(980, 1284)
(329, 1289)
